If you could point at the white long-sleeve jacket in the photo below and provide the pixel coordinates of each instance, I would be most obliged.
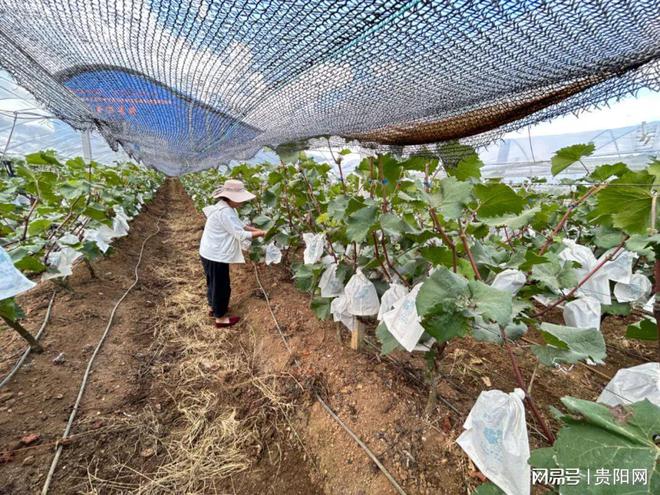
(223, 234)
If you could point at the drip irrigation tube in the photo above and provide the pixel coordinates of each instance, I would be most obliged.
(27, 351)
(332, 414)
(74, 411)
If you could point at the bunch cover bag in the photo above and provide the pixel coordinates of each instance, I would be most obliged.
(361, 295)
(495, 438)
(314, 244)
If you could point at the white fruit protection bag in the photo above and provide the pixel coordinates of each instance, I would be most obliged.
(63, 261)
(102, 236)
(598, 286)
(391, 296)
(496, 440)
(361, 295)
(619, 268)
(634, 384)
(403, 322)
(273, 254)
(636, 291)
(339, 310)
(314, 244)
(583, 312)
(12, 282)
(330, 285)
(509, 280)
(120, 222)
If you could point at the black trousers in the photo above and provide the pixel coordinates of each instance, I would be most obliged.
(218, 289)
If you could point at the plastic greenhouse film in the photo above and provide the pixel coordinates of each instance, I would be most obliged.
(509, 280)
(314, 244)
(495, 438)
(403, 321)
(637, 290)
(340, 313)
(392, 295)
(634, 384)
(583, 312)
(63, 261)
(12, 282)
(330, 285)
(273, 254)
(361, 295)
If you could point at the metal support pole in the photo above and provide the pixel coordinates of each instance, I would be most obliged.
(11, 133)
(86, 146)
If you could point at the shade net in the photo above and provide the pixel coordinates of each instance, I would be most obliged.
(188, 84)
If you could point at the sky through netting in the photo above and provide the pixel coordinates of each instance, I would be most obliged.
(186, 85)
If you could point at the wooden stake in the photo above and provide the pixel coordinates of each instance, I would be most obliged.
(357, 335)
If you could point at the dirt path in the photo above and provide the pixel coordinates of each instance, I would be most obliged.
(176, 406)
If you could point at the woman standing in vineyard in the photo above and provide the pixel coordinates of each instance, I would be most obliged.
(224, 233)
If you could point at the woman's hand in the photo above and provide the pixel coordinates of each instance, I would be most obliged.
(258, 233)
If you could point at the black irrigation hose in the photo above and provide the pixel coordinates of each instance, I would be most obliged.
(27, 351)
(83, 384)
(332, 414)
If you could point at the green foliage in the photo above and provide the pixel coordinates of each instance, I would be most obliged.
(635, 191)
(594, 436)
(565, 157)
(496, 200)
(48, 199)
(396, 201)
(569, 344)
(645, 329)
(321, 307)
(452, 197)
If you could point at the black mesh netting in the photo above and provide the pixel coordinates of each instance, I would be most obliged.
(186, 84)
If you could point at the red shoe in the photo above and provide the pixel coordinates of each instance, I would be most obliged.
(232, 321)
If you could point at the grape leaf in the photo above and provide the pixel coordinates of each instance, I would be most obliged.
(635, 218)
(10, 310)
(442, 288)
(360, 223)
(30, 263)
(468, 168)
(646, 329)
(565, 157)
(488, 489)
(39, 226)
(496, 200)
(606, 171)
(553, 274)
(595, 436)
(569, 344)
(452, 197)
(446, 325)
(394, 225)
(513, 221)
(492, 304)
(321, 307)
(388, 342)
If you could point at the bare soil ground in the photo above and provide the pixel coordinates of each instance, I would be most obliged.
(177, 406)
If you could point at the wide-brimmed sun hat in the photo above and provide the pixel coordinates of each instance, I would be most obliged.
(235, 190)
